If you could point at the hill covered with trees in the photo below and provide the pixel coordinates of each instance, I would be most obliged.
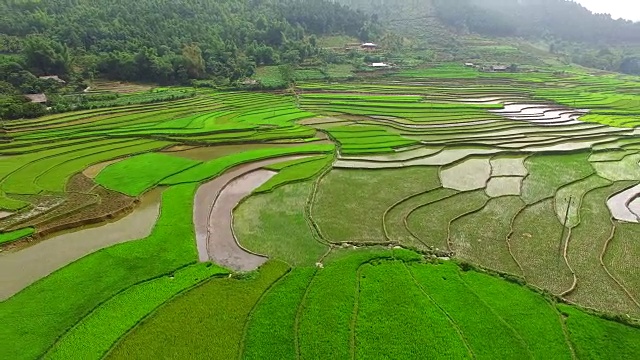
(161, 41)
(169, 41)
(593, 40)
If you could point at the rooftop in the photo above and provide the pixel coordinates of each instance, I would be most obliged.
(52, 77)
(37, 98)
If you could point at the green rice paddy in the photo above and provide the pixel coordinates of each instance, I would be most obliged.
(436, 212)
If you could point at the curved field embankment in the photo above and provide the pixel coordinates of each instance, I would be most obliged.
(21, 268)
(213, 218)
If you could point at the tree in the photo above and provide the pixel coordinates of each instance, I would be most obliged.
(47, 56)
(194, 62)
(631, 65)
(287, 72)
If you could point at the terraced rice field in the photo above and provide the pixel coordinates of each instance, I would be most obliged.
(491, 215)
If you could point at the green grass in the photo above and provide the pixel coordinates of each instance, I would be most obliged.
(137, 174)
(363, 196)
(325, 324)
(10, 204)
(396, 320)
(481, 238)
(56, 178)
(430, 223)
(274, 224)
(94, 335)
(596, 288)
(272, 327)
(296, 173)
(36, 316)
(547, 173)
(621, 257)
(269, 76)
(537, 245)
(574, 193)
(596, 338)
(359, 139)
(187, 326)
(216, 167)
(488, 336)
(396, 216)
(528, 313)
(285, 164)
(11, 236)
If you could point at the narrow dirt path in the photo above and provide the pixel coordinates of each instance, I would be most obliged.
(213, 214)
(21, 268)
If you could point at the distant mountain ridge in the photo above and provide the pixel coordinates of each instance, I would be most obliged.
(561, 19)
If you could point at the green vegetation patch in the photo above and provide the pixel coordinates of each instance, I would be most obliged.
(94, 335)
(137, 174)
(275, 224)
(272, 327)
(187, 325)
(597, 338)
(528, 313)
(297, 172)
(358, 139)
(596, 288)
(547, 173)
(487, 336)
(35, 317)
(481, 237)
(16, 235)
(387, 327)
(350, 204)
(216, 167)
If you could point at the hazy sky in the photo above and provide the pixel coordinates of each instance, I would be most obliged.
(627, 9)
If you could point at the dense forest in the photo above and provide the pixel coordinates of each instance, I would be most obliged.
(162, 41)
(169, 41)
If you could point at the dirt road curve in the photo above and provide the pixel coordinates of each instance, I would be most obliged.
(212, 214)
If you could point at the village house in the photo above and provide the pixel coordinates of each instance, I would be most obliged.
(369, 46)
(380, 65)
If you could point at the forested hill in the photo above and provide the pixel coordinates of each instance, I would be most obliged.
(169, 41)
(563, 19)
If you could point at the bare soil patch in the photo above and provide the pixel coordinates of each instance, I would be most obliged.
(469, 175)
(508, 166)
(92, 171)
(118, 87)
(504, 186)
